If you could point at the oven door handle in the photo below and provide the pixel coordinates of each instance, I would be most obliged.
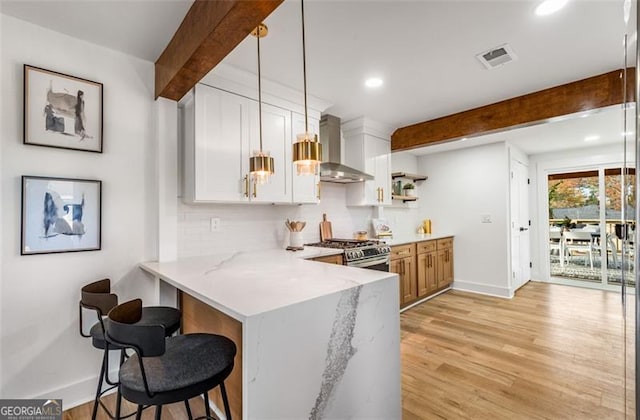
(369, 263)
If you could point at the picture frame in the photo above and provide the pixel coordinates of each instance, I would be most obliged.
(60, 215)
(62, 111)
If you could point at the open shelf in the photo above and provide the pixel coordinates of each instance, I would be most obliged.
(404, 198)
(406, 175)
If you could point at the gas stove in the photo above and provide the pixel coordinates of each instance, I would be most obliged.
(365, 254)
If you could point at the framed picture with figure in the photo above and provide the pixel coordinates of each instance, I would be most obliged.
(60, 215)
(62, 111)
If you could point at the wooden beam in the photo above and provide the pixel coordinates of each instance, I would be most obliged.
(210, 30)
(587, 94)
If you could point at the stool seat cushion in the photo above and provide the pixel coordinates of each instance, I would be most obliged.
(166, 316)
(189, 360)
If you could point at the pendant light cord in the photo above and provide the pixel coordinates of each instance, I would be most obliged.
(259, 89)
(304, 72)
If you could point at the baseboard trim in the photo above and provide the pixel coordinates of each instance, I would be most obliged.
(424, 299)
(483, 289)
(77, 393)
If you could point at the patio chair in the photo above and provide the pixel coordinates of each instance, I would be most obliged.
(579, 241)
(556, 244)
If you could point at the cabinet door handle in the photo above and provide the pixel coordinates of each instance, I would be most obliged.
(381, 195)
(255, 189)
(378, 195)
(246, 185)
(318, 191)
(429, 261)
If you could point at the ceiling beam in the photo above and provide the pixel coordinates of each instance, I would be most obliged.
(210, 30)
(584, 95)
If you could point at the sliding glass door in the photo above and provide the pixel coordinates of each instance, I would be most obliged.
(591, 225)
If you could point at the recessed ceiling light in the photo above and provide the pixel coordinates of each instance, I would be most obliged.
(548, 7)
(463, 139)
(373, 82)
(592, 138)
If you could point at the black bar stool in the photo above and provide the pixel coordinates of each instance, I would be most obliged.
(97, 296)
(164, 371)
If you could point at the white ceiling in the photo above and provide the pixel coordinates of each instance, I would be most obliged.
(141, 28)
(423, 49)
(425, 52)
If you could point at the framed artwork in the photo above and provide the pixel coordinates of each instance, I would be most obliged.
(60, 215)
(62, 111)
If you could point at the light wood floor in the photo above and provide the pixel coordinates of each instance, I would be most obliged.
(552, 352)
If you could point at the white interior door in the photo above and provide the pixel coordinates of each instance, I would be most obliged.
(520, 247)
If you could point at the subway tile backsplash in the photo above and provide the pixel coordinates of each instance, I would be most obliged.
(250, 227)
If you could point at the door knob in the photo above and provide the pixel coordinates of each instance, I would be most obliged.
(522, 229)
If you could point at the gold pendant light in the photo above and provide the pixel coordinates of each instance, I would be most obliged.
(261, 164)
(307, 152)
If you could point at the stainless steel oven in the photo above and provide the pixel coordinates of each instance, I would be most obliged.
(380, 263)
(372, 255)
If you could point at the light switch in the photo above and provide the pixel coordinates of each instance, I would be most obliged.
(485, 218)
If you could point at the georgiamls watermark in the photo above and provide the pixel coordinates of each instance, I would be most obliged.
(30, 409)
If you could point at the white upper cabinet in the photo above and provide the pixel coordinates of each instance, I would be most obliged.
(368, 148)
(221, 132)
(276, 140)
(216, 142)
(306, 188)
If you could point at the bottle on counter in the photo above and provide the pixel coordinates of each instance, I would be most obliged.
(426, 226)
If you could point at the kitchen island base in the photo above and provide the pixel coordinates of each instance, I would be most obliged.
(333, 357)
(314, 340)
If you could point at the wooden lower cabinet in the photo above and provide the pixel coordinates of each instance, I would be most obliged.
(403, 263)
(331, 259)
(405, 268)
(427, 277)
(445, 262)
(424, 268)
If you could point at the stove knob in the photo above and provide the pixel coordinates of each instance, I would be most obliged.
(361, 254)
(350, 255)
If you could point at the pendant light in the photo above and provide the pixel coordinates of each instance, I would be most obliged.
(307, 152)
(261, 164)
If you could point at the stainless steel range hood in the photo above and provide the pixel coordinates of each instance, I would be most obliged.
(332, 170)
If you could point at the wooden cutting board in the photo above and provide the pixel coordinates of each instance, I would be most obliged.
(325, 229)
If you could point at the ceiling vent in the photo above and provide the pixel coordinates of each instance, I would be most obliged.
(498, 56)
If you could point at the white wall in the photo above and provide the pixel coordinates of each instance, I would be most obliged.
(42, 352)
(463, 185)
(252, 227)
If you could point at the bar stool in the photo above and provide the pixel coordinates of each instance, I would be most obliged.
(164, 371)
(97, 296)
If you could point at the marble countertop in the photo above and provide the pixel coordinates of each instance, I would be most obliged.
(246, 284)
(416, 237)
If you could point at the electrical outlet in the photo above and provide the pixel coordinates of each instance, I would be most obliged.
(215, 224)
(485, 218)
